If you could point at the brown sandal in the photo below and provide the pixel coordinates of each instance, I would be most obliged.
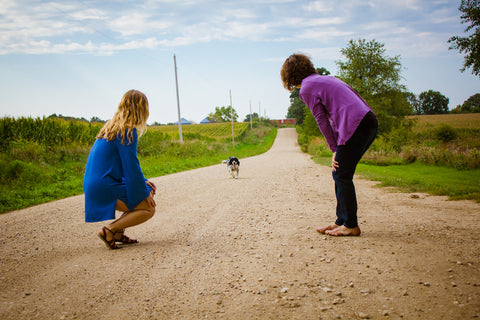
(110, 244)
(124, 239)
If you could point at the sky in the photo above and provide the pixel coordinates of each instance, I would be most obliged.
(78, 57)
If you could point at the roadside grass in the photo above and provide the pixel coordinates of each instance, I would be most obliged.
(37, 176)
(418, 177)
(439, 155)
(254, 142)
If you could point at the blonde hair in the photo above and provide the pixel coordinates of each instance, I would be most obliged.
(132, 113)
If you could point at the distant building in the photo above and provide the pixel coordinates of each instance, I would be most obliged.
(284, 121)
(206, 121)
(184, 121)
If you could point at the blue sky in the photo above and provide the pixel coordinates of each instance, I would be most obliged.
(78, 57)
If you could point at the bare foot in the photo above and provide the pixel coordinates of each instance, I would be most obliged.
(330, 227)
(344, 231)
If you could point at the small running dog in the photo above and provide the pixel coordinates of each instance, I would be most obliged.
(233, 166)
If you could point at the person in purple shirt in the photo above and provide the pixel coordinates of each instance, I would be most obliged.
(113, 179)
(348, 125)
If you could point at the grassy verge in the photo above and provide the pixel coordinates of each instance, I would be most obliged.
(198, 154)
(436, 154)
(417, 177)
(37, 176)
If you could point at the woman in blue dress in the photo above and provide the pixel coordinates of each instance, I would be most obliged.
(113, 179)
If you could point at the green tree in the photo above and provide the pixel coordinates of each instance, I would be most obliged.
(310, 126)
(322, 71)
(433, 102)
(296, 107)
(97, 119)
(471, 105)
(368, 70)
(223, 114)
(253, 115)
(376, 78)
(414, 103)
(469, 45)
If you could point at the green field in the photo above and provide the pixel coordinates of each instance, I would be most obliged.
(422, 159)
(458, 121)
(44, 159)
(216, 131)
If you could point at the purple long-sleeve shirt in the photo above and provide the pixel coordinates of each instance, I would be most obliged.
(337, 108)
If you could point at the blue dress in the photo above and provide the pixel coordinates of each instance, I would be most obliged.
(113, 172)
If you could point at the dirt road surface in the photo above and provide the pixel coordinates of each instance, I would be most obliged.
(220, 248)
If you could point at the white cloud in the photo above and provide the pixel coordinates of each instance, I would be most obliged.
(395, 4)
(443, 16)
(318, 6)
(241, 14)
(88, 14)
(239, 30)
(325, 34)
(90, 27)
(324, 21)
(135, 23)
(47, 47)
(327, 53)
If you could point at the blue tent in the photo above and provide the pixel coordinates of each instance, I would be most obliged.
(206, 121)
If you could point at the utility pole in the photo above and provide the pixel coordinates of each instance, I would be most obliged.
(259, 113)
(231, 115)
(251, 116)
(178, 101)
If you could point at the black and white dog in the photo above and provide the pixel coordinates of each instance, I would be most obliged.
(233, 166)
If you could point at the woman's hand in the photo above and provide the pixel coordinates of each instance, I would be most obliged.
(150, 201)
(152, 185)
(334, 162)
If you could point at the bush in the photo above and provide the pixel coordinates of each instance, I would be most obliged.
(28, 151)
(20, 172)
(256, 135)
(319, 147)
(445, 133)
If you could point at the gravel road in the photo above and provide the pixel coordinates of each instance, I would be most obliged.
(220, 248)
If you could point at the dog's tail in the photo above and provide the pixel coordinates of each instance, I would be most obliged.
(224, 161)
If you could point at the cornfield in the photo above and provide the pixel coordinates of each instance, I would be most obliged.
(218, 131)
(59, 132)
(46, 131)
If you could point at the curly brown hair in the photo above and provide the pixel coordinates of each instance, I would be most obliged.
(296, 68)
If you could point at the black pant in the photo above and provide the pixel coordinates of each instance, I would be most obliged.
(348, 156)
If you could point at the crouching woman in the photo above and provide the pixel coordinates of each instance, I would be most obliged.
(113, 178)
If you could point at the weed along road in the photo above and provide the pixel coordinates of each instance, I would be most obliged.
(223, 248)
